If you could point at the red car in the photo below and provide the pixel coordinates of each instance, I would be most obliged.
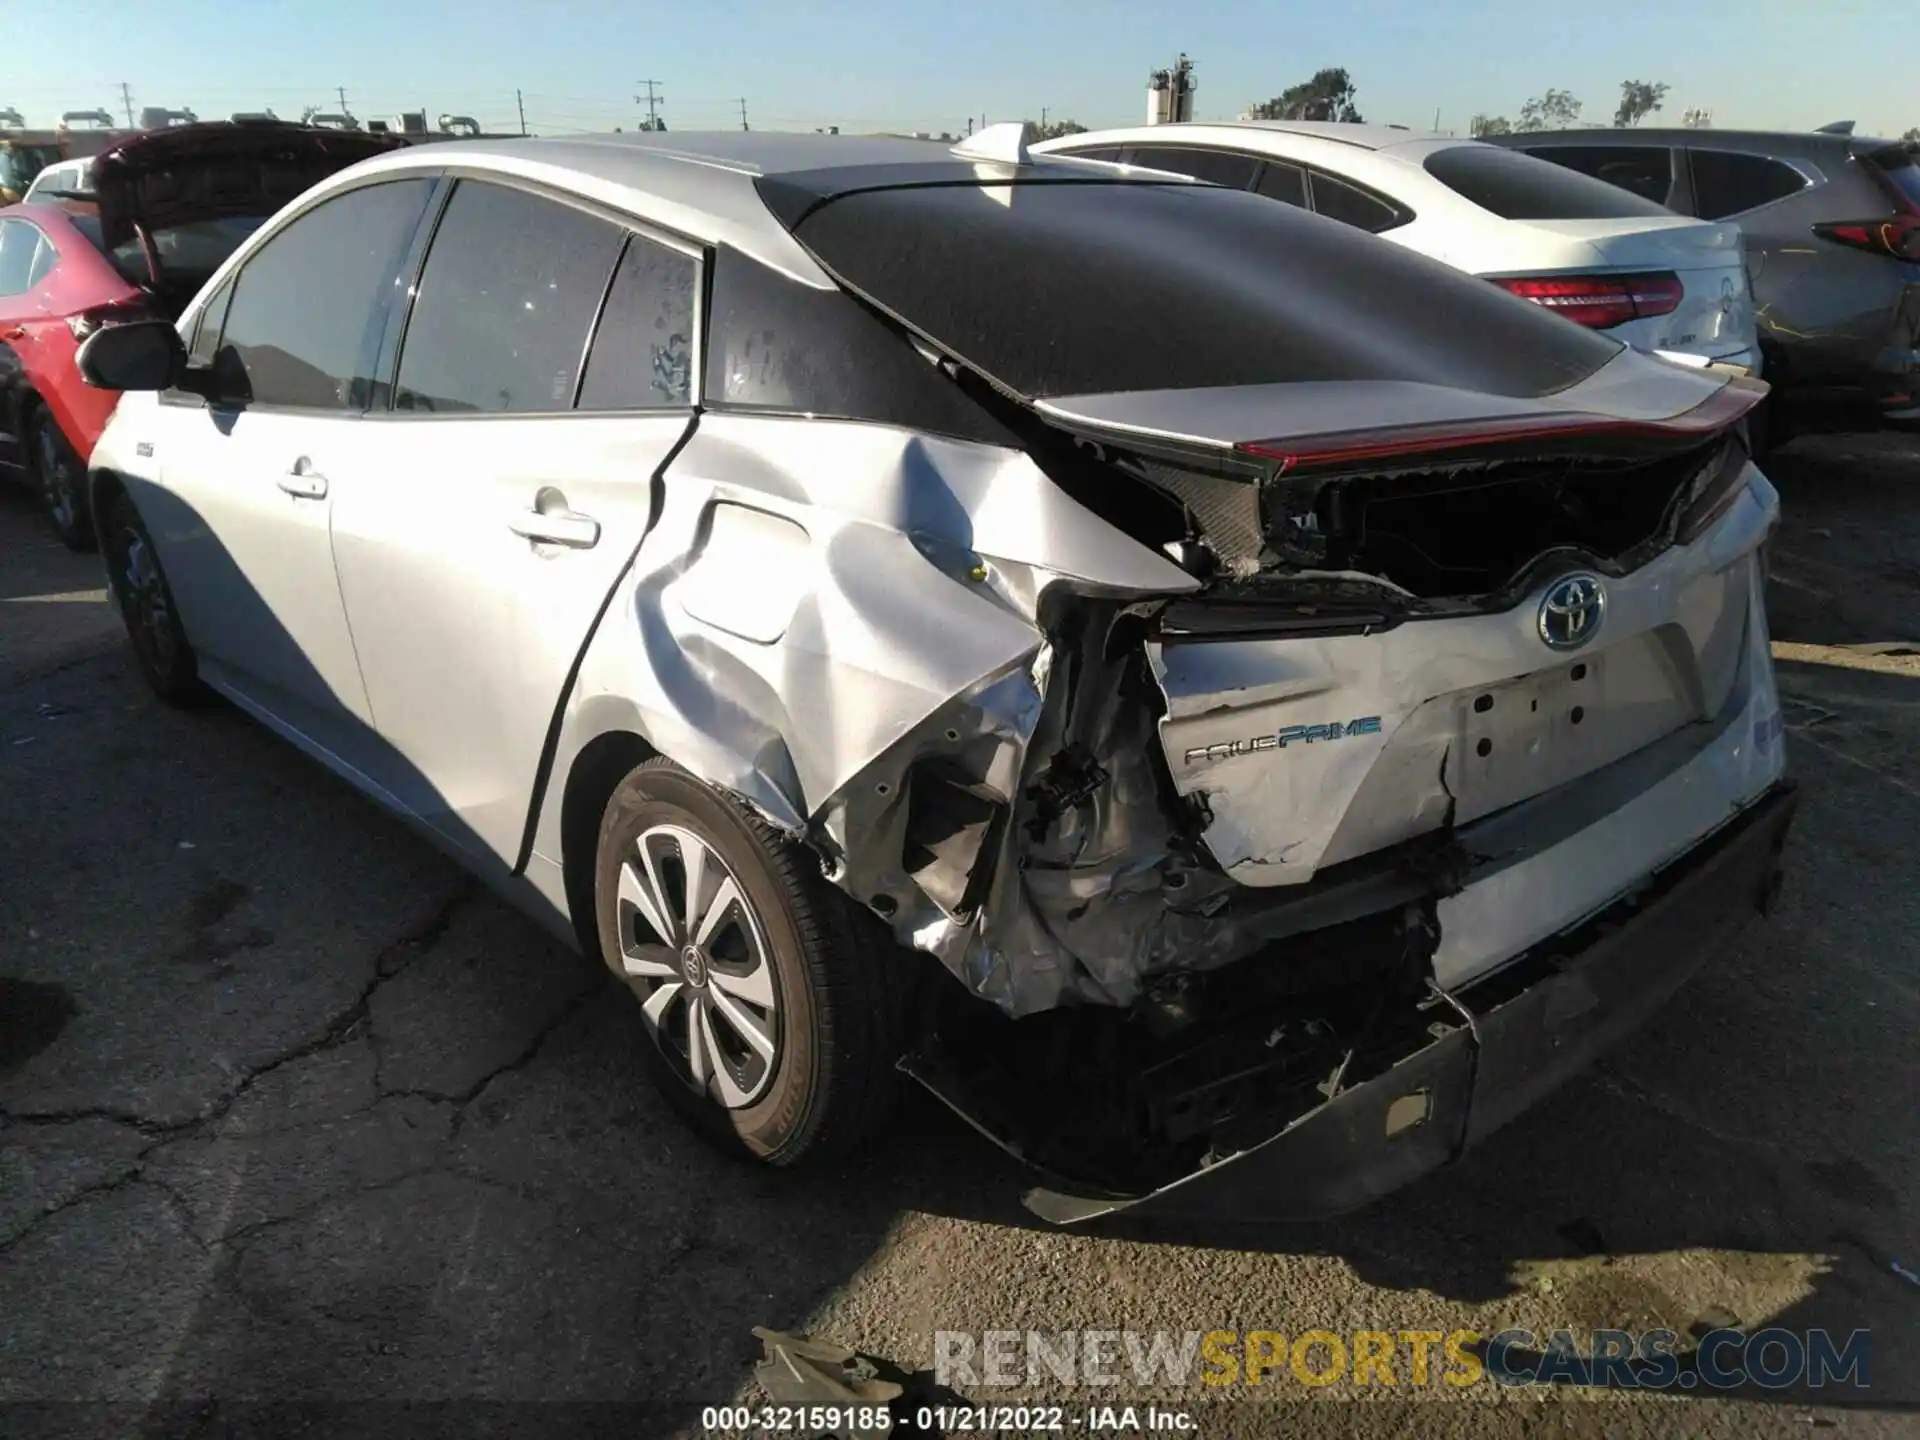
(164, 209)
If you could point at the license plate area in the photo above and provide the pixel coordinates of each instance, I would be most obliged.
(1521, 737)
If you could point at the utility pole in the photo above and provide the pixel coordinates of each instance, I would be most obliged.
(520, 104)
(1043, 117)
(652, 101)
(341, 91)
(743, 114)
(126, 99)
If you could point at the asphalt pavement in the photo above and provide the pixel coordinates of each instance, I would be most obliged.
(292, 1115)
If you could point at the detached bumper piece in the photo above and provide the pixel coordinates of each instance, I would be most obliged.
(1491, 1050)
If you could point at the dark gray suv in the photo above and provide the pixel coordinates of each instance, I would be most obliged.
(1832, 225)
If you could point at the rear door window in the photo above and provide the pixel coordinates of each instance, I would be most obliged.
(642, 356)
(1645, 170)
(1350, 205)
(1110, 153)
(508, 295)
(1726, 183)
(1520, 187)
(1283, 182)
(308, 307)
(1217, 167)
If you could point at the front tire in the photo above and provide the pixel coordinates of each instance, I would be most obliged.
(61, 481)
(772, 1003)
(146, 605)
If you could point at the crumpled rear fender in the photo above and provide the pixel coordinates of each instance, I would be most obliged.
(814, 591)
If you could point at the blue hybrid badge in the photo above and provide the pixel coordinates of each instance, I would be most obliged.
(1287, 735)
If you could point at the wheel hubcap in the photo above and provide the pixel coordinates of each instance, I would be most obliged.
(143, 598)
(56, 481)
(696, 955)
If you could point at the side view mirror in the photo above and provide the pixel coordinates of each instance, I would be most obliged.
(140, 355)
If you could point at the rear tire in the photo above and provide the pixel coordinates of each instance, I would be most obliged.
(61, 482)
(146, 605)
(775, 1013)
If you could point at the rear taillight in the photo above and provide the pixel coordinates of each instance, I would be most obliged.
(1599, 301)
(1898, 238)
(115, 312)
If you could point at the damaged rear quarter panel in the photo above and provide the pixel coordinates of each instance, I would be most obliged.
(803, 603)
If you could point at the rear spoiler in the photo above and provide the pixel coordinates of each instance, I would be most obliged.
(1489, 438)
(1635, 406)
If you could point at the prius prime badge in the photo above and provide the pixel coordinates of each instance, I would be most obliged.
(1571, 611)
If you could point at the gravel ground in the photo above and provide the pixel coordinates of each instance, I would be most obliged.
(291, 1114)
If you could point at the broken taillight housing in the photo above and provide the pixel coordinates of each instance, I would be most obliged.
(1714, 493)
(1898, 238)
(1599, 301)
(114, 312)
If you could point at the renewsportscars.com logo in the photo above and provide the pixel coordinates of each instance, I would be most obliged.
(1287, 735)
(1772, 1358)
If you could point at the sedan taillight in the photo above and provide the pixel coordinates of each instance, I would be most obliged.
(1898, 238)
(1599, 301)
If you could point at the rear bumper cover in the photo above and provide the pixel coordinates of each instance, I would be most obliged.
(1512, 1038)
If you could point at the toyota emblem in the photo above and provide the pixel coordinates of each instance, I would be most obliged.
(1571, 611)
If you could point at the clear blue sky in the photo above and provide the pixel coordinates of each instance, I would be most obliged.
(863, 65)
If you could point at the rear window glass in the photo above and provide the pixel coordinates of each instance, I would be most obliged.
(1646, 170)
(1082, 288)
(1725, 183)
(1519, 187)
(1899, 168)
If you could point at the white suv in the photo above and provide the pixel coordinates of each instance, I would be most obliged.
(1585, 249)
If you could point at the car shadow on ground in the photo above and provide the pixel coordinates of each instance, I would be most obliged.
(317, 1118)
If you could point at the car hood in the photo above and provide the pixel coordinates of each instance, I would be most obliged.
(193, 173)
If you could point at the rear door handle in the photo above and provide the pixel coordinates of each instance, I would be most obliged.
(556, 527)
(18, 332)
(303, 483)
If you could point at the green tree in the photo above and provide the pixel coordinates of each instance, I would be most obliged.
(1053, 130)
(1327, 96)
(1912, 137)
(1490, 125)
(1555, 110)
(1638, 99)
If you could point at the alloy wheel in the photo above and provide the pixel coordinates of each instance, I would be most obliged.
(697, 956)
(56, 479)
(143, 599)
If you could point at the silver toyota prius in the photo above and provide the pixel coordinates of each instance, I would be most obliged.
(1236, 709)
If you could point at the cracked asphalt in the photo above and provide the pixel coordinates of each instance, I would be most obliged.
(296, 1122)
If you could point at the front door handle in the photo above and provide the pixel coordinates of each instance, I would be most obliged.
(303, 482)
(18, 332)
(556, 527)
